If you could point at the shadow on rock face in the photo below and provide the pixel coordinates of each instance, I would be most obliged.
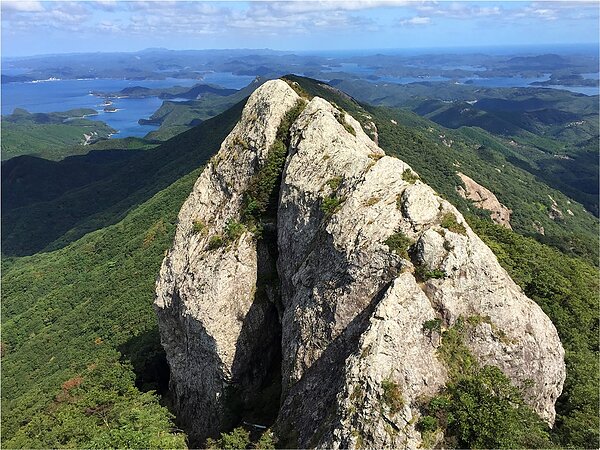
(302, 424)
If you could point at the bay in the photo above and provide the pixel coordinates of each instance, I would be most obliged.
(62, 95)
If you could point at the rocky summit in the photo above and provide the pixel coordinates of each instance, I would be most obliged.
(311, 276)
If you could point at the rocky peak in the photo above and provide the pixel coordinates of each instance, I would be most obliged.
(365, 253)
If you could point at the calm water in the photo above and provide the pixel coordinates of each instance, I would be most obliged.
(408, 80)
(228, 80)
(62, 95)
(526, 82)
(586, 90)
(591, 76)
(352, 68)
(494, 82)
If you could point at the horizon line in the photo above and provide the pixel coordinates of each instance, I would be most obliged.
(314, 51)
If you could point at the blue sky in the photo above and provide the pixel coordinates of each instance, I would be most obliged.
(41, 27)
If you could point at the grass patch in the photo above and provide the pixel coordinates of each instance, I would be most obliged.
(283, 132)
(450, 223)
(476, 320)
(424, 273)
(215, 242)
(359, 439)
(409, 176)
(234, 230)
(399, 202)
(427, 424)
(260, 199)
(479, 407)
(198, 227)
(399, 243)
(335, 183)
(341, 118)
(216, 160)
(331, 205)
(298, 89)
(392, 396)
(433, 325)
(240, 142)
(428, 427)
(358, 394)
(454, 353)
(372, 201)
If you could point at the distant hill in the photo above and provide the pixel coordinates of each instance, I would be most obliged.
(198, 90)
(52, 135)
(547, 61)
(168, 93)
(175, 117)
(62, 219)
(15, 78)
(544, 131)
(28, 179)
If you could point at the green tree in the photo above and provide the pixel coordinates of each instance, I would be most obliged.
(237, 439)
(483, 410)
(100, 408)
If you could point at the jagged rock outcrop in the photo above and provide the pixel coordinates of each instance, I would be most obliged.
(483, 198)
(219, 336)
(554, 213)
(367, 254)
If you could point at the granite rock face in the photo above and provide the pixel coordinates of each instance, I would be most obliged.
(219, 337)
(356, 232)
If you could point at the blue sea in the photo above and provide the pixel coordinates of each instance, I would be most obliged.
(495, 82)
(62, 95)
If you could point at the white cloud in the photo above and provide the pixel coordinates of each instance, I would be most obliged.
(508, 12)
(299, 17)
(193, 18)
(65, 16)
(298, 7)
(22, 5)
(459, 10)
(199, 18)
(105, 5)
(418, 20)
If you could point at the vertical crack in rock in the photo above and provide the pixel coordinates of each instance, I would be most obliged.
(218, 323)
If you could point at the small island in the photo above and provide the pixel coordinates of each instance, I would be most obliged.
(190, 93)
